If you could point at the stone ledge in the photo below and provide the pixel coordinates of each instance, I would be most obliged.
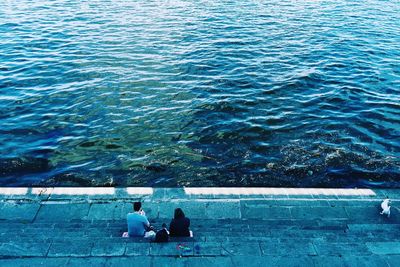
(232, 227)
(148, 193)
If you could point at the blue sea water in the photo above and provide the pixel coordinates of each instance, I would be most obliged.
(200, 93)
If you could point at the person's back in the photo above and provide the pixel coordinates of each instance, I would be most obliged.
(179, 225)
(137, 224)
(162, 235)
(137, 221)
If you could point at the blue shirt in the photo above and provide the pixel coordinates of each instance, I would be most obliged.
(137, 224)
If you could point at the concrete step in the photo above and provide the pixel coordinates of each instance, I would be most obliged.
(239, 224)
(282, 236)
(205, 228)
(196, 248)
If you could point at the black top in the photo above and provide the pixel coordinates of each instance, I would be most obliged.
(179, 227)
(162, 236)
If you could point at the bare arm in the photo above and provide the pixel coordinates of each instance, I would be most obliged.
(147, 224)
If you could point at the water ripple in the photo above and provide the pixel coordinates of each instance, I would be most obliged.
(209, 93)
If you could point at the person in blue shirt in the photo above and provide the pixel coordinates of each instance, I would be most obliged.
(138, 225)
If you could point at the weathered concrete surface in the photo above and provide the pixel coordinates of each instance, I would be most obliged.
(233, 227)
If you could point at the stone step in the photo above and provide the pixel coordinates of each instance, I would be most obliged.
(195, 223)
(103, 223)
(24, 248)
(209, 231)
(208, 228)
(374, 227)
(196, 239)
(227, 248)
(222, 229)
(234, 261)
(283, 236)
(198, 225)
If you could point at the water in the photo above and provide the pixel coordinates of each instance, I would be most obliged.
(200, 93)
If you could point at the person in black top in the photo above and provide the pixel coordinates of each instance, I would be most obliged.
(179, 225)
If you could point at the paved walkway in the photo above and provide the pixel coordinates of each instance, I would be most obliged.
(232, 227)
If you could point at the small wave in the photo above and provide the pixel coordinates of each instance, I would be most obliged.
(233, 94)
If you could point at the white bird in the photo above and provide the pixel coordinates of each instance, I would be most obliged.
(385, 205)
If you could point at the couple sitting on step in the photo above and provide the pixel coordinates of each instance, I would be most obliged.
(139, 226)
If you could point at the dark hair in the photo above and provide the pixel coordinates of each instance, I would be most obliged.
(164, 225)
(137, 206)
(179, 214)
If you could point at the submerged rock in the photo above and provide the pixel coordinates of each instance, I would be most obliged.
(113, 146)
(156, 167)
(67, 179)
(87, 144)
(23, 165)
(298, 171)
